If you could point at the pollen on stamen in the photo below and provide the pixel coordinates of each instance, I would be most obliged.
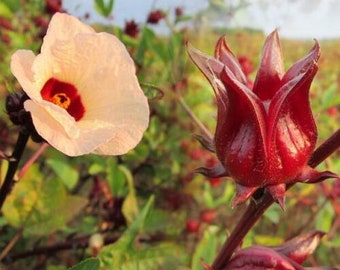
(61, 100)
(65, 95)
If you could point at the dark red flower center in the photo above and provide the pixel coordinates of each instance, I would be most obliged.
(65, 95)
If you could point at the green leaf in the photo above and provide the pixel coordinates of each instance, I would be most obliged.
(330, 97)
(67, 174)
(39, 205)
(5, 11)
(88, 264)
(12, 6)
(205, 250)
(167, 222)
(116, 178)
(147, 37)
(273, 213)
(114, 255)
(165, 256)
(130, 205)
(103, 8)
(325, 217)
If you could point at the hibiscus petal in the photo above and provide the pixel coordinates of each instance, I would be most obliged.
(21, 67)
(271, 70)
(225, 55)
(63, 133)
(63, 27)
(51, 121)
(124, 139)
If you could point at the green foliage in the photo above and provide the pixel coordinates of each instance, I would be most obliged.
(65, 172)
(104, 7)
(324, 218)
(124, 254)
(34, 202)
(206, 249)
(5, 10)
(88, 264)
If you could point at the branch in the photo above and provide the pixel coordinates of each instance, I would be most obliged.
(13, 166)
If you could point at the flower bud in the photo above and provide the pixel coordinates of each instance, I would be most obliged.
(265, 132)
(288, 256)
(20, 117)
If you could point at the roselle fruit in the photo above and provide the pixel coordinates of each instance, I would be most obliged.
(265, 133)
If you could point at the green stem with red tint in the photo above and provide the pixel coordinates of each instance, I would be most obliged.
(257, 207)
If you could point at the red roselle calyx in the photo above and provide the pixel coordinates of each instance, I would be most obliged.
(265, 133)
(288, 256)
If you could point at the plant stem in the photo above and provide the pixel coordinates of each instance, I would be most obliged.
(33, 158)
(69, 244)
(256, 208)
(254, 211)
(200, 125)
(13, 166)
(325, 149)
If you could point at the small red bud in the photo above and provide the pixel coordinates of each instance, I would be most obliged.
(192, 225)
(155, 16)
(208, 215)
(131, 28)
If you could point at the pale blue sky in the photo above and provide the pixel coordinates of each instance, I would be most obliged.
(294, 18)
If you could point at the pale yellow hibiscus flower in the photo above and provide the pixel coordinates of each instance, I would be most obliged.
(84, 94)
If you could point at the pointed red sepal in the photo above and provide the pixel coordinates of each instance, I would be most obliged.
(311, 176)
(225, 55)
(301, 65)
(287, 256)
(300, 247)
(243, 193)
(209, 66)
(207, 143)
(269, 75)
(214, 172)
(278, 194)
(260, 258)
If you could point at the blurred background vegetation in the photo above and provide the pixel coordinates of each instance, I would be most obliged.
(148, 207)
